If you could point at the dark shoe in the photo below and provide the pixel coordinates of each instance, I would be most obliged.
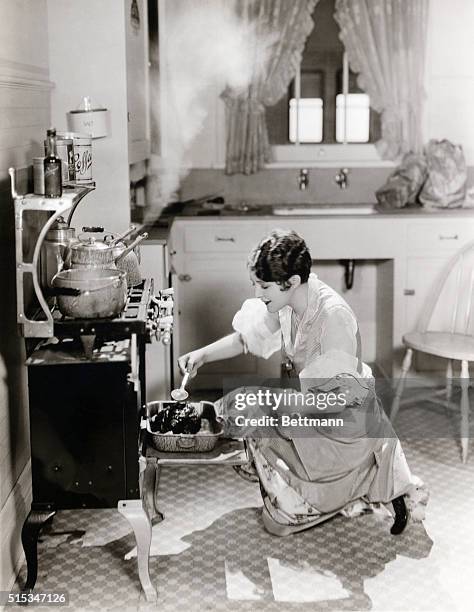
(401, 515)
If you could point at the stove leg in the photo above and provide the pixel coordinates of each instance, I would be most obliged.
(149, 481)
(138, 518)
(32, 526)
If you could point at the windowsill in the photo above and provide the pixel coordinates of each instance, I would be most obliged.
(328, 156)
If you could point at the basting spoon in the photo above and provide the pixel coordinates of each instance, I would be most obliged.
(179, 395)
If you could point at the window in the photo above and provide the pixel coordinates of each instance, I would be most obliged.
(323, 105)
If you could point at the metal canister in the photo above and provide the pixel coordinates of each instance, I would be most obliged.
(82, 144)
(55, 251)
(38, 175)
(65, 151)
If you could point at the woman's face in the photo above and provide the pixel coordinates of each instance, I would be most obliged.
(270, 293)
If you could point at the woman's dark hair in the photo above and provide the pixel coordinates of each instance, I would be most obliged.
(279, 256)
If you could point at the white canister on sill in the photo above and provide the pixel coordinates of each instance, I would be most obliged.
(89, 120)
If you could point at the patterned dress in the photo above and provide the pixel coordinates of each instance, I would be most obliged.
(306, 479)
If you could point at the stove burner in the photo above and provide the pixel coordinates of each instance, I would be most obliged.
(144, 314)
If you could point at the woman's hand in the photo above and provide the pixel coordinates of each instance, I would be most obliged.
(190, 362)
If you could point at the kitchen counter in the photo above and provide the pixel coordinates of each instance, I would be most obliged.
(398, 257)
(160, 229)
(198, 212)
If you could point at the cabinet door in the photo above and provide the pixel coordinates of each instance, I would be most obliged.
(136, 29)
(207, 297)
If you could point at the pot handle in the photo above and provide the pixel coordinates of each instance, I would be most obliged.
(186, 442)
(120, 237)
(131, 246)
(56, 291)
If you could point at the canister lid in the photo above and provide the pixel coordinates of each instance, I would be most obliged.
(92, 110)
(87, 106)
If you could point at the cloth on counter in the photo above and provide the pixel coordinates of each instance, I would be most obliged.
(403, 186)
(445, 186)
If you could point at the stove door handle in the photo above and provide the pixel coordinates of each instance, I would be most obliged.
(222, 239)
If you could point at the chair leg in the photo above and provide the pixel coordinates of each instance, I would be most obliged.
(401, 383)
(449, 381)
(464, 410)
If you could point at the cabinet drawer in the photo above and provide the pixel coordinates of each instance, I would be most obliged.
(439, 238)
(229, 238)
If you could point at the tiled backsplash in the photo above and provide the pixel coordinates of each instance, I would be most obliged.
(280, 186)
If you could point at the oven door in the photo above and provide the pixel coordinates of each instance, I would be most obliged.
(84, 434)
(154, 264)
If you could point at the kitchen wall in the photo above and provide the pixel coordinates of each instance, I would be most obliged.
(450, 74)
(24, 115)
(87, 57)
(449, 101)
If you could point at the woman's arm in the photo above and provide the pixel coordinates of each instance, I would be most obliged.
(225, 348)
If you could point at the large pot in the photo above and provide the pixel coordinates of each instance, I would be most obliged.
(90, 293)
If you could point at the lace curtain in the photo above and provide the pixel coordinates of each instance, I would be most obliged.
(385, 43)
(286, 24)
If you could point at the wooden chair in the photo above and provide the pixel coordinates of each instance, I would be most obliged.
(445, 329)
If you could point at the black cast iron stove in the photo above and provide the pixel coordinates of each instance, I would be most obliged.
(86, 395)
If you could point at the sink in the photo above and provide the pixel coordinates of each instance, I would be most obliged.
(324, 209)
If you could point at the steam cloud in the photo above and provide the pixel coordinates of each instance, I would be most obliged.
(208, 48)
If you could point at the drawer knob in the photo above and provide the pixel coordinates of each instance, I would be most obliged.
(454, 237)
(185, 278)
(221, 239)
(409, 292)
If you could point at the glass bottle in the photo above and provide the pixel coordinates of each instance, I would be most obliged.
(52, 168)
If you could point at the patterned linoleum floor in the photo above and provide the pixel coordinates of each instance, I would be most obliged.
(212, 553)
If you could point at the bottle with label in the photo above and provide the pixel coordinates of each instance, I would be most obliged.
(52, 168)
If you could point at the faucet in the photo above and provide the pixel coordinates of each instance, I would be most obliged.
(341, 178)
(303, 179)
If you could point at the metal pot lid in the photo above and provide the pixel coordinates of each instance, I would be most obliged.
(88, 244)
(60, 230)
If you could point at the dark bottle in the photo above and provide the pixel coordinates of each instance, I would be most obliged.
(52, 168)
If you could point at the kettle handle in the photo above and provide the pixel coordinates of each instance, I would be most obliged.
(131, 246)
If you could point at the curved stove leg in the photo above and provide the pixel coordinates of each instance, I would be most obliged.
(134, 512)
(32, 526)
(149, 481)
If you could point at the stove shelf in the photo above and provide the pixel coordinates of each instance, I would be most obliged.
(68, 202)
